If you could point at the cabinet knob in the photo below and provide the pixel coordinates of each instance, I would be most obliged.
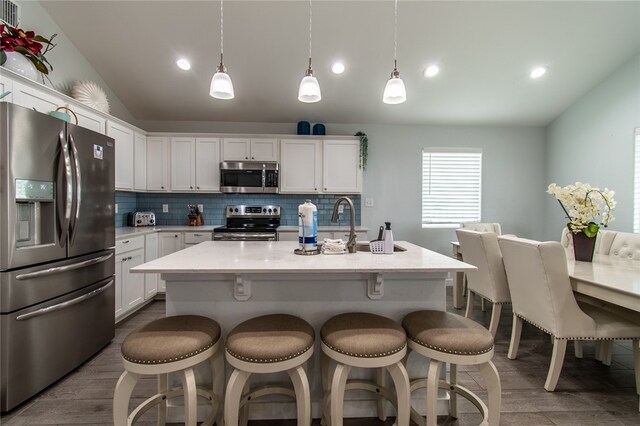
(129, 258)
(325, 189)
(197, 187)
(175, 236)
(191, 187)
(315, 189)
(125, 242)
(246, 158)
(253, 158)
(162, 187)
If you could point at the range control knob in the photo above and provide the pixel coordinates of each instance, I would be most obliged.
(230, 210)
(269, 210)
(235, 210)
(139, 221)
(275, 211)
(264, 210)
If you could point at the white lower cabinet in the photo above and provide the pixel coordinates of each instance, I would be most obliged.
(168, 242)
(150, 253)
(129, 286)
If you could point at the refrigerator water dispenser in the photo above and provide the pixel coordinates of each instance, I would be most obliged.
(34, 213)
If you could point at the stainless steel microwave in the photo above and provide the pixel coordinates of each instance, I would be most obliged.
(249, 177)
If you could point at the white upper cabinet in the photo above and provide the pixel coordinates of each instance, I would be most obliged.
(140, 162)
(33, 97)
(123, 137)
(6, 85)
(340, 170)
(250, 149)
(157, 163)
(301, 166)
(87, 118)
(207, 164)
(183, 173)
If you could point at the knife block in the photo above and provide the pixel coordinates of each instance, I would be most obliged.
(196, 220)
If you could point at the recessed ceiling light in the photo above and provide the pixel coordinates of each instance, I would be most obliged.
(538, 72)
(337, 68)
(431, 71)
(183, 64)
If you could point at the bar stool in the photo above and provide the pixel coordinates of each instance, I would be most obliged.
(268, 344)
(367, 341)
(171, 345)
(453, 339)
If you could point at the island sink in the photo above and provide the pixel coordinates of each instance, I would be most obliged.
(367, 248)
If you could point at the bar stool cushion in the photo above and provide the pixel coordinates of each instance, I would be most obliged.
(270, 338)
(446, 332)
(170, 339)
(364, 335)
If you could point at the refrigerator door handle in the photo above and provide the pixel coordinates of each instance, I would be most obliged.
(59, 269)
(68, 190)
(78, 190)
(64, 304)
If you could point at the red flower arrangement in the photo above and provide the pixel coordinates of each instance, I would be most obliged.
(28, 44)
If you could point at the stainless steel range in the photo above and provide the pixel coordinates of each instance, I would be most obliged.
(249, 223)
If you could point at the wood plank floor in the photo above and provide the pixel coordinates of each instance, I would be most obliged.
(588, 392)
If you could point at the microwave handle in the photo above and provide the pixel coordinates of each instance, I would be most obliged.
(264, 175)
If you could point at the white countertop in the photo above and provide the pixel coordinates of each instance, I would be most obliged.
(130, 231)
(278, 257)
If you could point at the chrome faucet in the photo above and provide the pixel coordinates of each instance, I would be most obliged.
(351, 244)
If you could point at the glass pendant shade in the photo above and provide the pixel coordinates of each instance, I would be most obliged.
(221, 86)
(309, 91)
(394, 91)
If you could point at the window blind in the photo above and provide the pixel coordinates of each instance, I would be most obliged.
(636, 186)
(451, 185)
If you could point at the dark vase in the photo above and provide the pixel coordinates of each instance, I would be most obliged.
(583, 247)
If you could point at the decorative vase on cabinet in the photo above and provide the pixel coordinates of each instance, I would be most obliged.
(20, 64)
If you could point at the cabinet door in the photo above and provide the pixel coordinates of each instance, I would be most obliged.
(119, 278)
(124, 154)
(340, 171)
(31, 97)
(264, 149)
(301, 166)
(88, 118)
(6, 85)
(139, 162)
(157, 164)
(150, 253)
(168, 242)
(208, 164)
(132, 284)
(236, 149)
(183, 170)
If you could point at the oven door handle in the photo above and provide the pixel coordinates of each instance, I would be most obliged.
(244, 236)
(66, 304)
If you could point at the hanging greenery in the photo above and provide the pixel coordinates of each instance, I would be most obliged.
(364, 149)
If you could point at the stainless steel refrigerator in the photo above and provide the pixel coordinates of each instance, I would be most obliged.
(56, 249)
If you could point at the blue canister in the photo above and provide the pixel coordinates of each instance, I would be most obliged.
(304, 128)
(319, 129)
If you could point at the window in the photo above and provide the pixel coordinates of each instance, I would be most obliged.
(636, 186)
(451, 185)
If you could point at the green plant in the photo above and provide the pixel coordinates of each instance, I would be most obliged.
(364, 149)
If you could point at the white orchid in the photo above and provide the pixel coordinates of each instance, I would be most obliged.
(583, 204)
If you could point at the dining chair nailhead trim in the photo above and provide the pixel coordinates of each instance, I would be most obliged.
(164, 361)
(359, 355)
(573, 338)
(508, 302)
(436, 348)
(269, 360)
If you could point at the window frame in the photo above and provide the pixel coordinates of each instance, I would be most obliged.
(636, 183)
(450, 150)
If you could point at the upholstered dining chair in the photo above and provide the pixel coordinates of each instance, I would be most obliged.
(482, 227)
(481, 249)
(541, 294)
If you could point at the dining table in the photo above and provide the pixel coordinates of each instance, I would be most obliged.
(611, 282)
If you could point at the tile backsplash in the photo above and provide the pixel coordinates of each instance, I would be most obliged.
(214, 206)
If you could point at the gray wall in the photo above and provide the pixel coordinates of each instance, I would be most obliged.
(593, 142)
(68, 63)
(513, 173)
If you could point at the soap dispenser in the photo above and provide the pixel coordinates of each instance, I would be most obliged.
(388, 239)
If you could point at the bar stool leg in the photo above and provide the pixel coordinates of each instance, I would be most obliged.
(233, 395)
(469, 309)
(325, 364)
(340, 375)
(162, 406)
(492, 381)
(303, 395)
(217, 368)
(636, 366)
(190, 394)
(244, 410)
(124, 388)
(453, 396)
(381, 380)
(401, 383)
(433, 378)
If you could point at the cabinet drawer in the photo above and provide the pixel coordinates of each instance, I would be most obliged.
(197, 237)
(128, 244)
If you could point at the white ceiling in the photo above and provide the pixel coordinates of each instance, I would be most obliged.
(485, 51)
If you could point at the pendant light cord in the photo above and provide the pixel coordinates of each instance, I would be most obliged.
(221, 30)
(395, 36)
(310, 26)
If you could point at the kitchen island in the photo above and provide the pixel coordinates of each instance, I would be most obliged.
(234, 281)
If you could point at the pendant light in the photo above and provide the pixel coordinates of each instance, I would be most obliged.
(221, 85)
(309, 91)
(394, 91)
